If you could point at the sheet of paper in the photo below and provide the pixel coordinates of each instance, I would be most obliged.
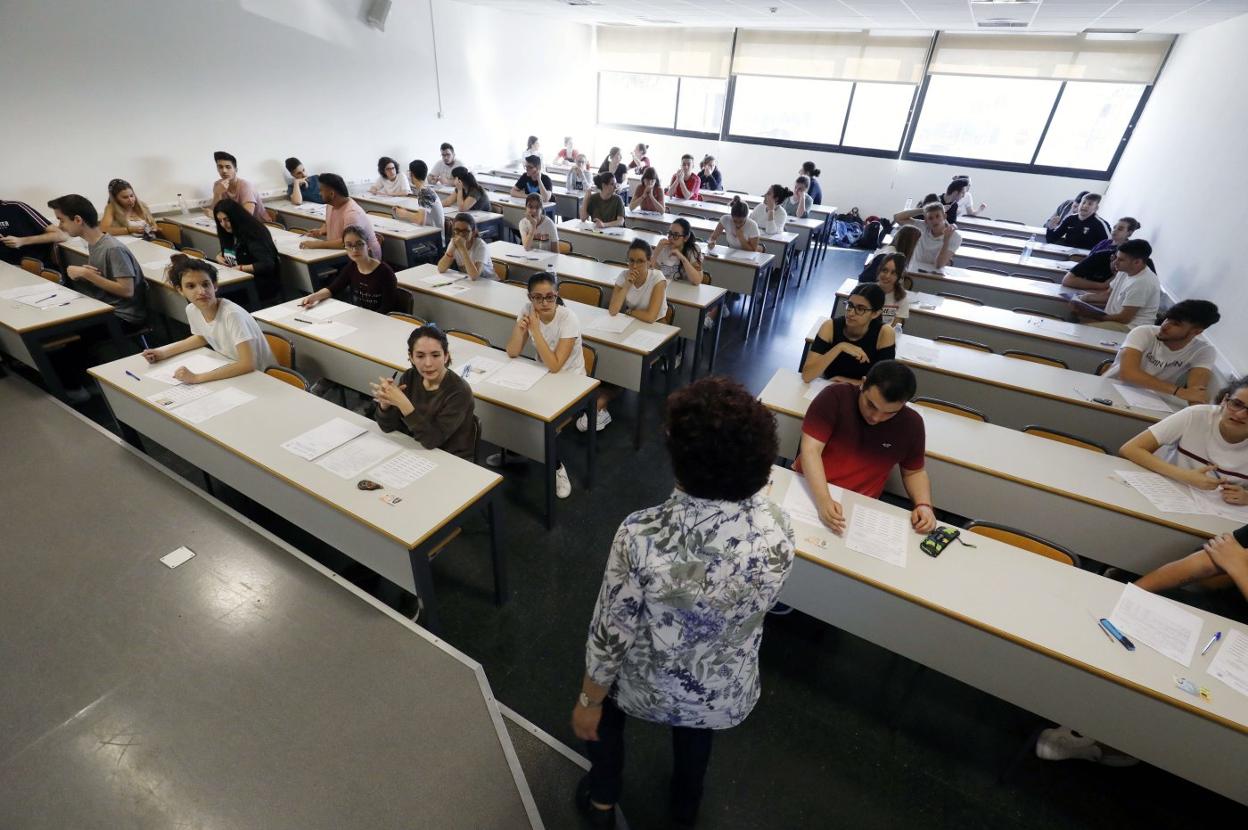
(52, 296)
(605, 322)
(37, 289)
(436, 280)
(197, 363)
(331, 330)
(325, 309)
(454, 288)
(646, 341)
(801, 505)
(205, 223)
(401, 470)
(154, 265)
(354, 457)
(1161, 492)
(1158, 623)
(480, 369)
(1230, 663)
(1138, 398)
(177, 557)
(518, 374)
(180, 394)
(878, 534)
(210, 406)
(278, 312)
(1057, 327)
(328, 436)
(815, 387)
(1210, 502)
(919, 352)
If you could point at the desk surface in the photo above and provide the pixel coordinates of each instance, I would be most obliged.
(22, 318)
(704, 225)
(721, 209)
(397, 228)
(1022, 286)
(256, 431)
(412, 203)
(1015, 243)
(137, 696)
(1013, 259)
(625, 236)
(999, 226)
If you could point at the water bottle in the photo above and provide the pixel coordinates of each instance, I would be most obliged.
(1027, 248)
(909, 203)
(183, 206)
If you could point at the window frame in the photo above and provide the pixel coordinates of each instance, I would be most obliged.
(675, 109)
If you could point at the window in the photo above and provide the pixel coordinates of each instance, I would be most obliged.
(638, 100)
(994, 119)
(1089, 125)
(789, 109)
(701, 107)
(878, 115)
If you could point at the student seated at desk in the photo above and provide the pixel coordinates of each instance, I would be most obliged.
(1065, 209)
(341, 211)
(1132, 296)
(230, 186)
(938, 240)
(1081, 229)
(685, 183)
(568, 153)
(537, 230)
(614, 164)
(812, 174)
(852, 438)
(769, 214)
(125, 215)
(427, 402)
(641, 292)
(639, 161)
(966, 205)
(555, 333)
(467, 195)
(430, 213)
(579, 179)
(677, 255)
(365, 280)
(302, 187)
(604, 208)
(648, 195)
(533, 180)
(389, 182)
(21, 226)
(247, 245)
(1097, 268)
(846, 347)
(112, 275)
(220, 324)
(441, 174)
(709, 174)
(1225, 555)
(889, 276)
(951, 199)
(740, 231)
(1160, 357)
(467, 251)
(904, 241)
(1205, 446)
(533, 147)
(800, 203)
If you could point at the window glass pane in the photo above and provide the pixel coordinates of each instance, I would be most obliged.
(701, 104)
(1089, 124)
(792, 109)
(877, 117)
(645, 100)
(997, 119)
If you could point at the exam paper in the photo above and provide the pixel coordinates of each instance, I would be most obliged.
(1230, 663)
(646, 341)
(180, 394)
(401, 470)
(52, 296)
(923, 354)
(1161, 492)
(1158, 623)
(1057, 327)
(37, 289)
(325, 309)
(605, 322)
(354, 457)
(454, 288)
(480, 369)
(1210, 502)
(329, 435)
(518, 374)
(330, 330)
(210, 406)
(197, 363)
(435, 280)
(815, 387)
(1138, 398)
(801, 506)
(877, 534)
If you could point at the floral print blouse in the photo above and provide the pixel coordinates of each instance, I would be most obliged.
(680, 613)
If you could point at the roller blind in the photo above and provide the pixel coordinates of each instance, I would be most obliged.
(848, 56)
(1057, 57)
(663, 51)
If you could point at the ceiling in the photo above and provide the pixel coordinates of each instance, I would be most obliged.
(1168, 16)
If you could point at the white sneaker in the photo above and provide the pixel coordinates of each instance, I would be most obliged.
(1064, 744)
(604, 418)
(563, 485)
(708, 323)
(496, 459)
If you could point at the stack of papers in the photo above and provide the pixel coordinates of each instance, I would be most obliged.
(1137, 398)
(328, 436)
(646, 341)
(197, 363)
(1170, 496)
(801, 506)
(605, 322)
(401, 470)
(178, 395)
(325, 309)
(1230, 664)
(519, 374)
(480, 369)
(1210, 503)
(914, 351)
(211, 405)
(354, 457)
(1162, 625)
(878, 534)
(439, 280)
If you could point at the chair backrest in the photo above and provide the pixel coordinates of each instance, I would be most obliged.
(407, 318)
(277, 225)
(469, 336)
(964, 343)
(998, 271)
(581, 292)
(32, 264)
(51, 275)
(960, 298)
(299, 231)
(1034, 277)
(517, 283)
(289, 376)
(283, 349)
(1026, 541)
(500, 269)
(1032, 357)
(164, 243)
(952, 408)
(195, 252)
(1034, 312)
(706, 278)
(403, 299)
(1103, 366)
(668, 316)
(169, 231)
(565, 247)
(380, 214)
(590, 355)
(1065, 437)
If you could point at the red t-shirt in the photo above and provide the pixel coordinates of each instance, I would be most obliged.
(857, 455)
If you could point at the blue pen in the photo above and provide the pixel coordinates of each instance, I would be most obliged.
(133, 375)
(50, 296)
(1209, 645)
(1112, 630)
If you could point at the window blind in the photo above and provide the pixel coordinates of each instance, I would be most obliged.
(1055, 57)
(847, 56)
(665, 51)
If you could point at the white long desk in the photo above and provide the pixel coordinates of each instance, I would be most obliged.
(1014, 244)
(523, 422)
(1057, 491)
(659, 223)
(805, 228)
(691, 302)
(567, 202)
(242, 448)
(403, 244)
(489, 308)
(999, 226)
(489, 223)
(971, 256)
(1018, 626)
(995, 289)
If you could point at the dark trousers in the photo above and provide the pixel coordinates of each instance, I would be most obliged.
(691, 750)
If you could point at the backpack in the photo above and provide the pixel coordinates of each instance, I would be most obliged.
(872, 233)
(846, 229)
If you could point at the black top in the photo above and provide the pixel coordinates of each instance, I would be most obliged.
(20, 219)
(1241, 536)
(951, 210)
(442, 419)
(530, 186)
(846, 366)
(714, 181)
(621, 172)
(1079, 233)
(256, 248)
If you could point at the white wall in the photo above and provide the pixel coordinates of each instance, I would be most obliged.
(147, 91)
(1184, 176)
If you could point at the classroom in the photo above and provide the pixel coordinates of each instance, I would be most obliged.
(612, 413)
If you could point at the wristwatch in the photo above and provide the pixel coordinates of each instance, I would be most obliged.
(584, 700)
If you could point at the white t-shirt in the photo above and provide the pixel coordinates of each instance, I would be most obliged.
(966, 204)
(398, 186)
(640, 297)
(928, 246)
(1161, 361)
(232, 326)
(440, 173)
(895, 309)
(565, 326)
(748, 231)
(544, 227)
(481, 256)
(775, 224)
(1190, 439)
(1143, 290)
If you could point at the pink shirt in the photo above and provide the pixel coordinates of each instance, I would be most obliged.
(337, 220)
(241, 191)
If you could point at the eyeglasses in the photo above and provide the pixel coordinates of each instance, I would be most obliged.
(1236, 405)
(543, 298)
(855, 308)
(391, 167)
(675, 234)
(353, 246)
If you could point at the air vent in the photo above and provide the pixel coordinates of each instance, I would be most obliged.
(582, 2)
(1004, 14)
(1001, 23)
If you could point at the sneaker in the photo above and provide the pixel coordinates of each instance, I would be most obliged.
(500, 459)
(563, 484)
(604, 418)
(78, 396)
(780, 609)
(680, 358)
(597, 818)
(1064, 744)
(708, 323)
(322, 387)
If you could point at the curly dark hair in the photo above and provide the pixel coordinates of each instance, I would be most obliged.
(721, 439)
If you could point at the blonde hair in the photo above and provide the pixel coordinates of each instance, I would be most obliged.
(905, 239)
(120, 215)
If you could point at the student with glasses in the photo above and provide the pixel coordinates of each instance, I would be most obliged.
(444, 166)
(533, 180)
(677, 255)
(537, 230)
(467, 251)
(847, 347)
(389, 182)
(364, 281)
